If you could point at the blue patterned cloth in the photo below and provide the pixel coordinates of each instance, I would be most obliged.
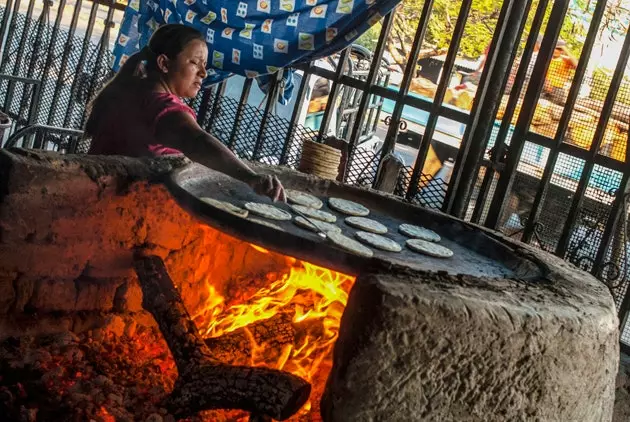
(254, 38)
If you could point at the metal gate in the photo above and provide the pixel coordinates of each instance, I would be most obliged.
(545, 166)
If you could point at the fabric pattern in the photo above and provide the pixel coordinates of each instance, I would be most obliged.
(254, 38)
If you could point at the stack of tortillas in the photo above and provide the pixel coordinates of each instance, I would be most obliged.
(320, 160)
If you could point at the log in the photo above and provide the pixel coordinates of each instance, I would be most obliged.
(236, 346)
(204, 382)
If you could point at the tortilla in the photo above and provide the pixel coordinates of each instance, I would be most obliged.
(348, 207)
(317, 214)
(268, 211)
(366, 224)
(418, 232)
(305, 199)
(378, 241)
(350, 245)
(226, 206)
(429, 248)
(321, 225)
(266, 223)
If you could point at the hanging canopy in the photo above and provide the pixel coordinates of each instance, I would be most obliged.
(254, 38)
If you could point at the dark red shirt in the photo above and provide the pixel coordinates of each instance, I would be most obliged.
(129, 126)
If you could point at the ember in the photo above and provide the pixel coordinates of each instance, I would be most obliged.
(290, 323)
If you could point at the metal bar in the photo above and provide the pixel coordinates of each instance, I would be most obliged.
(440, 92)
(375, 66)
(611, 223)
(422, 104)
(33, 129)
(526, 115)
(8, 27)
(392, 132)
(272, 99)
(563, 124)
(64, 59)
(8, 98)
(8, 12)
(380, 102)
(216, 104)
(576, 152)
(103, 47)
(53, 42)
(600, 131)
(20, 55)
(108, 3)
(297, 111)
(41, 23)
(33, 112)
(203, 107)
(332, 96)
(81, 63)
(239, 110)
(506, 122)
(382, 91)
(508, 32)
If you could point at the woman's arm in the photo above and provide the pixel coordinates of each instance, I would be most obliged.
(179, 130)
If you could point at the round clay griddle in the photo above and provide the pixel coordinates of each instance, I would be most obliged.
(476, 252)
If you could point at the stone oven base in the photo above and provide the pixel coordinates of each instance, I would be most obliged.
(413, 345)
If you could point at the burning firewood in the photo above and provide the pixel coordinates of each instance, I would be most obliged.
(205, 382)
(238, 346)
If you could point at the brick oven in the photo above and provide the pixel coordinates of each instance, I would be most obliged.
(123, 296)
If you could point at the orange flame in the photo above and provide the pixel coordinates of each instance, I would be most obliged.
(316, 296)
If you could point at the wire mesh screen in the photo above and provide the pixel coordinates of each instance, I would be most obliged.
(587, 234)
(294, 148)
(475, 193)
(557, 203)
(404, 179)
(521, 197)
(363, 166)
(70, 69)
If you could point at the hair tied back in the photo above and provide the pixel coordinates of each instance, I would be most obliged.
(146, 54)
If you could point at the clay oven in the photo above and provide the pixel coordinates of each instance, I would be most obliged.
(124, 297)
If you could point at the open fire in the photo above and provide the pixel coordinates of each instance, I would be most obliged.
(286, 319)
(289, 325)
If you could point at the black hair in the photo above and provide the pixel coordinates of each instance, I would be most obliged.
(169, 40)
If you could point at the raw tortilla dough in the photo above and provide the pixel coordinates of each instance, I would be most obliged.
(429, 248)
(317, 214)
(350, 245)
(268, 211)
(366, 224)
(226, 206)
(378, 241)
(418, 232)
(322, 225)
(265, 223)
(305, 199)
(348, 207)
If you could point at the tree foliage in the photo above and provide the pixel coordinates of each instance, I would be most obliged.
(479, 29)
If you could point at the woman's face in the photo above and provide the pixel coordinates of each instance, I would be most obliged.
(186, 72)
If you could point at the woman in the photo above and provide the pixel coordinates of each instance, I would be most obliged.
(139, 113)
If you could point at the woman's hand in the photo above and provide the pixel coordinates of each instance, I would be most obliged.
(268, 185)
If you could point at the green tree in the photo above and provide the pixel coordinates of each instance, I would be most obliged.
(482, 20)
